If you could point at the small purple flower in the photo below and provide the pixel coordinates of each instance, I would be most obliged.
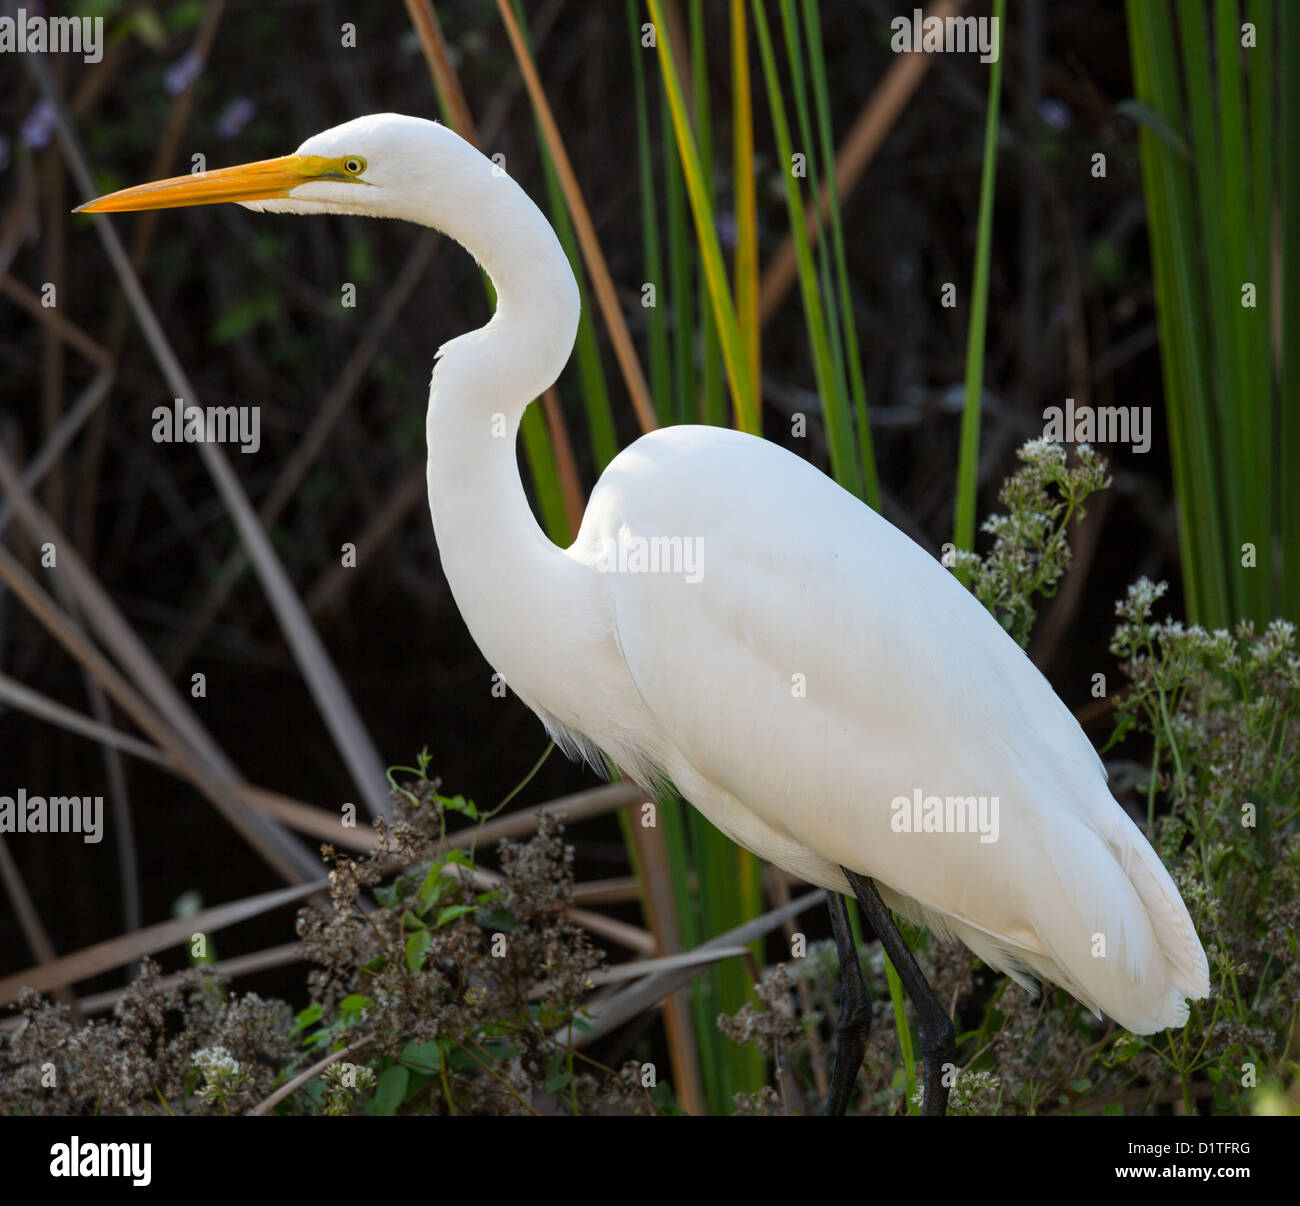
(1055, 114)
(234, 116)
(38, 126)
(727, 230)
(182, 73)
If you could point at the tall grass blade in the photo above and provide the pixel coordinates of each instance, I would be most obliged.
(661, 382)
(1288, 337)
(857, 384)
(743, 391)
(904, 1031)
(838, 432)
(745, 189)
(968, 456)
(1170, 219)
(1229, 380)
(713, 407)
(1243, 389)
(681, 274)
(1263, 132)
(838, 399)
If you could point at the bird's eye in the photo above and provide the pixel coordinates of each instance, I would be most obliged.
(354, 165)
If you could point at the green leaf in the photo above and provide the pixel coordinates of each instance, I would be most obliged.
(416, 945)
(434, 887)
(451, 912)
(1123, 726)
(308, 1017)
(425, 1056)
(496, 919)
(662, 1096)
(390, 1090)
(461, 805)
(417, 1083)
(558, 1074)
(469, 1059)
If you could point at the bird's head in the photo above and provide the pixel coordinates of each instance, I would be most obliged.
(384, 165)
(391, 166)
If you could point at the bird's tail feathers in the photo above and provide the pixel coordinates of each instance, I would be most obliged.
(1119, 936)
(1104, 921)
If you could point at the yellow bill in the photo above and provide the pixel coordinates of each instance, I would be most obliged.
(248, 182)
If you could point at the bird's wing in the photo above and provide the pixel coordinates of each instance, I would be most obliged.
(821, 670)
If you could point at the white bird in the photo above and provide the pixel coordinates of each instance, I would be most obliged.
(731, 620)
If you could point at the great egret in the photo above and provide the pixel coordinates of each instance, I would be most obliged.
(732, 621)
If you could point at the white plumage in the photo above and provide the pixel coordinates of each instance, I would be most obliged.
(819, 667)
(824, 665)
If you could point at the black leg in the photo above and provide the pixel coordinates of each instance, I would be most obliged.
(938, 1039)
(854, 1023)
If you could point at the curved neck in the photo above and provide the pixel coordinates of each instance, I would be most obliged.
(498, 562)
